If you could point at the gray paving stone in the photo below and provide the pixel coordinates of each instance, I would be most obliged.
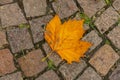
(91, 6)
(116, 5)
(114, 36)
(36, 27)
(106, 20)
(6, 62)
(89, 74)
(3, 40)
(19, 39)
(116, 74)
(31, 64)
(104, 59)
(11, 15)
(14, 76)
(49, 75)
(93, 38)
(34, 7)
(64, 8)
(5, 1)
(55, 58)
(70, 71)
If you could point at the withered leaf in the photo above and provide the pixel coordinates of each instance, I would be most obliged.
(65, 39)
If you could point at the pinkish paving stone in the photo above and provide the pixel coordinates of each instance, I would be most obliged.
(89, 74)
(70, 71)
(90, 7)
(32, 64)
(106, 20)
(5, 1)
(34, 7)
(19, 39)
(93, 38)
(6, 62)
(116, 5)
(3, 40)
(55, 58)
(36, 27)
(49, 75)
(116, 74)
(104, 59)
(11, 15)
(64, 8)
(14, 76)
(77, 17)
(114, 36)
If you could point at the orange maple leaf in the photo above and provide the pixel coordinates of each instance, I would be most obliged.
(65, 38)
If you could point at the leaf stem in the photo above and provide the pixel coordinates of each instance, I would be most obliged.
(47, 56)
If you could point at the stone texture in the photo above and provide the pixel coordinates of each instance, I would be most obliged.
(104, 59)
(89, 74)
(54, 57)
(116, 5)
(36, 27)
(77, 17)
(90, 7)
(6, 62)
(93, 38)
(64, 8)
(114, 36)
(11, 15)
(32, 64)
(116, 74)
(71, 71)
(5, 1)
(19, 39)
(34, 7)
(14, 76)
(49, 75)
(3, 40)
(106, 20)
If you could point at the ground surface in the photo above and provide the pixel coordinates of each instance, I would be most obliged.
(22, 47)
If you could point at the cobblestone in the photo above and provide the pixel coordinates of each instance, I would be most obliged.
(116, 74)
(116, 5)
(94, 6)
(6, 62)
(104, 59)
(11, 15)
(34, 7)
(19, 39)
(36, 27)
(114, 36)
(64, 8)
(14, 76)
(32, 64)
(3, 40)
(49, 75)
(93, 38)
(102, 65)
(89, 74)
(54, 57)
(71, 71)
(106, 20)
(5, 1)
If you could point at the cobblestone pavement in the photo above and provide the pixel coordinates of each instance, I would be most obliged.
(22, 44)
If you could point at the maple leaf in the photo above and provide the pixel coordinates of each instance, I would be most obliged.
(65, 39)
